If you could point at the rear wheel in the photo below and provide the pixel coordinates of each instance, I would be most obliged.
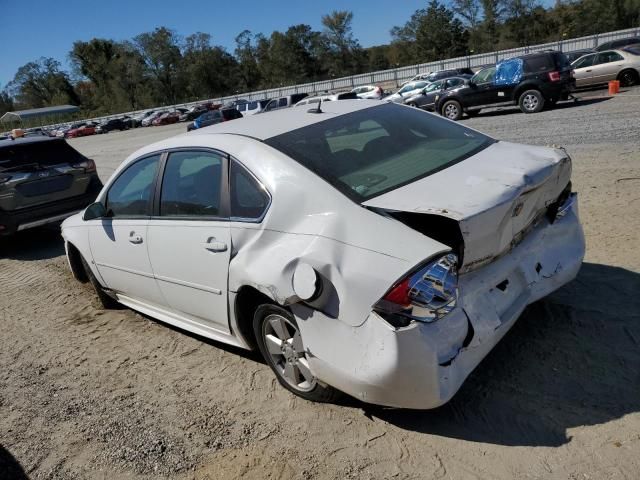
(452, 110)
(531, 101)
(280, 343)
(628, 78)
(106, 301)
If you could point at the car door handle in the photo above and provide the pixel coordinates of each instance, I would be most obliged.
(214, 245)
(133, 238)
(588, 71)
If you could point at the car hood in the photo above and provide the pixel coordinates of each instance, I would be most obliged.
(497, 196)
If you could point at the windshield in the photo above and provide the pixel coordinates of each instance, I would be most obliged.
(372, 151)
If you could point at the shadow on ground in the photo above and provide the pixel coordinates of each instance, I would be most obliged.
(34, 244)
(10, 468)
(572, 360)
(560, 106)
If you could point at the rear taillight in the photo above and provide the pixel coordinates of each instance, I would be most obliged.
(88, 165)
(572, 74)
(425, 295)
(554, 76)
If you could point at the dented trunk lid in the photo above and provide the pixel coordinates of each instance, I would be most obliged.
(496, 196)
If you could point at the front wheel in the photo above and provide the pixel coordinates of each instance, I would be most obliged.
(280, 343)
(452, 110)
(531, 101)
(106, 301)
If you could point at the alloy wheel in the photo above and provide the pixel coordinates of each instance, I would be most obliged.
(283, 342)
(530, 102)
(451, 111)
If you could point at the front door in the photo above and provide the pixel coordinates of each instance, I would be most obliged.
(483, 90)
(606, 66)
(189, 238)
(583, 70)
(119, 241)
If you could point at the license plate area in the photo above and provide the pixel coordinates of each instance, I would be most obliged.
(510, 294)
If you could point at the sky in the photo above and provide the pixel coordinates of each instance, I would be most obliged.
(36, 28)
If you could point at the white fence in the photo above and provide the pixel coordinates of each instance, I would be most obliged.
(401, 74)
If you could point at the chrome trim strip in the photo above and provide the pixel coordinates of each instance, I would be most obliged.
(182, 283)
(128, 270)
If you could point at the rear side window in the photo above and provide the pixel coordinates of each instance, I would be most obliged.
(129, 195)
(191, 185)
(539, 63)
(282, 102)
(607, 57)
(249, 199)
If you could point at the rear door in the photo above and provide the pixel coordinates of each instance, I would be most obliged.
(189, 239)
(119, 242)
(606, 66)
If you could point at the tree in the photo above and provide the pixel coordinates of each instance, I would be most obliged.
(6, 102)
(246, 56)
(433, 34)
(41, 84)
(342, 55)
(161, 53)
(209, 70)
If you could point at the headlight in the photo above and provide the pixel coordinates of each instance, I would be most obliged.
(425, 295)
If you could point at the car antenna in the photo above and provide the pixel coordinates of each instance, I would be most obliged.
(317, 109)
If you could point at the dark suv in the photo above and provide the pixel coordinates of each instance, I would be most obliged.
(530, 81)
(211, 118)
(43, 180)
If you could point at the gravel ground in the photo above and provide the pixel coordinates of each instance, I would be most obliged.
(88, 393)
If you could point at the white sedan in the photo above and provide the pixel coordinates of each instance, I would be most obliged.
(408, 90)
(373, 249)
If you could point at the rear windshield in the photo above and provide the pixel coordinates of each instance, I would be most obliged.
(43, 153)
(372, 151)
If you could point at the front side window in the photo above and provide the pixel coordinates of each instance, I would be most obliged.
(484, 76)
(282, 102)
(191, 185)
(129, 195)
(249, 199)
(584, 62)
(372, 151)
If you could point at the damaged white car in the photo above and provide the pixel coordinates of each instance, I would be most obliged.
(367, 248)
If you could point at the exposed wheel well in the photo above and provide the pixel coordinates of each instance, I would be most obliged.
(75, 260)
(247, 302)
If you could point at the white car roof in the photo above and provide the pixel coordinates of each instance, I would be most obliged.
(271, 124)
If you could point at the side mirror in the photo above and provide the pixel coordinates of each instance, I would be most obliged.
(93, 211)
(472, 84)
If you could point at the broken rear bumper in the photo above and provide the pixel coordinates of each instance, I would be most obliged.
(423, 365)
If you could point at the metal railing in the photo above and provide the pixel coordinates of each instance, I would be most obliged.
(398, 75)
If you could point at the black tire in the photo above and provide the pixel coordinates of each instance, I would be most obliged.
(628, 78)
(264, 318)
(106, 301)
(531, 101)
(413, 104)
(452, 110)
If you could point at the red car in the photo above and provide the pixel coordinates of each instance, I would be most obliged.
(166, 119)
(81, 131)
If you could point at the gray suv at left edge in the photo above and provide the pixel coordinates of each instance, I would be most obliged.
(43, 180)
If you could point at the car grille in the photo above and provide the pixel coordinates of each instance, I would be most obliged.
(45, 186)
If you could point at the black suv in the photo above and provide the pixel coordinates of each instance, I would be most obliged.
(529, 81)
(43, 180)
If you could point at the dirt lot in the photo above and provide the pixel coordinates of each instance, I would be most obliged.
(86, 393)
